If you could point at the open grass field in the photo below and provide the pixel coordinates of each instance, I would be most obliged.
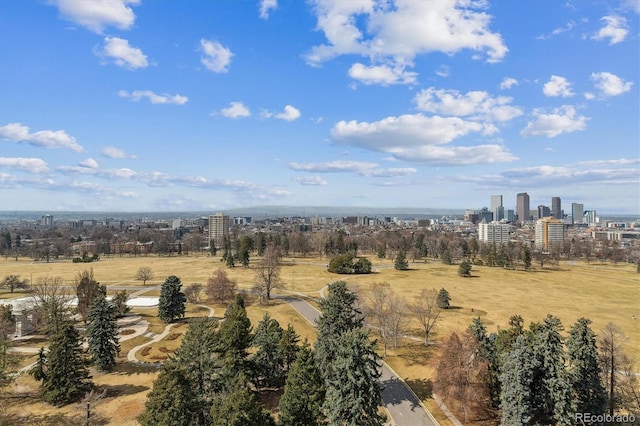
(601, 292)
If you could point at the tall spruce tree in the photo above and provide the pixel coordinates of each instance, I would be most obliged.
(239, 408)
(339, 315)
(584, 370)
(288, 347)
(102, 333)
(489, 353)
(200, 366)
(551, 383)
(401, 263)
(516, 378)
(353, 391)
(304, 392)
(233, 340)
(66, 376)
(171, 305)
(443, 299)
(171, 400)
(267, 360)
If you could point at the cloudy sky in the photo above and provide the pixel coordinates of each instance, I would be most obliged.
(144, 105)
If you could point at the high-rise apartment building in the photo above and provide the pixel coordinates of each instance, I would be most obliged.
(493, 232)
(556, 207)
(496, 207)
(549, 231)
(219, 225)
(522, 207)
(577, 211)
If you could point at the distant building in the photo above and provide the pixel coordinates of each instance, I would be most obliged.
(543, 211)
(556, 207)
(46, 220)
(577, 212)
(548, 231)
(219, 225)
(493, 232)
(590, 217)
(497, 208)
(522, 207)
(510, 216)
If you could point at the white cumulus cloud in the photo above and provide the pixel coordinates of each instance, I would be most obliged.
(381, 74)
(310, 180)
(418, 138)
(31, 165)
(557, 86)
(266, 6)
(17, 132)
(560, 120)
(122, 54)
(113, 152)
(610, 84)
(394, 32)
(615, 29)
(508, 83)
(215, 57)
(358, 167)
(95, 15)
(154, 98)
(290, 113)
(236, 110)
(89, 163)
(475, 104)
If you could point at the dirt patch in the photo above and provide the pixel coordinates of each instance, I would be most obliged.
(164, 350)
(145, 351)
(127, 331)
(173, 336)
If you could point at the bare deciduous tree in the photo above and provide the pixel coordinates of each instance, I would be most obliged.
(220, 287)
(87, 288)
(426, 310)
(144, 274)
(617, 371)
(268, 272)
(193, 293)
(52, 303)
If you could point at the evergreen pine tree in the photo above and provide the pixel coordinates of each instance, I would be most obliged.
(551, 383)
(526, 257)
(171, 400)
(516, 378)
(443, 299)
(266, 360)
(200, 366)
(353, 392)
(401, 263)
(66, 375)
(239, 408)
(288, 347)
(304, 392)
(339, 315)
(172, 300)
(584, 371)
(233, 339)
(102, 334)
(489, 353)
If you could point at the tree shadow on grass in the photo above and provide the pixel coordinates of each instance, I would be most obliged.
(129, 368)
(416, 353)
(122, 390)
(421, 387)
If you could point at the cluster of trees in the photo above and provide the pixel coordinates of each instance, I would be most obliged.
(449, 247)
(348, 264)
(536, 375)
(63, 368)
(216, 375)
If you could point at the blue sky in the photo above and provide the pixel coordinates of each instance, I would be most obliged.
(149, 105)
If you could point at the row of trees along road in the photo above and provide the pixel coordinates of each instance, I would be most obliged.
(220, 368)
(536, 376)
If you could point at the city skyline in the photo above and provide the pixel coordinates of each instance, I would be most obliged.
(133, 105)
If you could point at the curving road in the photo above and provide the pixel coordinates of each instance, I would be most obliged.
(403, 405)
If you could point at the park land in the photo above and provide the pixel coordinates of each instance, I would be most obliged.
(602, 292)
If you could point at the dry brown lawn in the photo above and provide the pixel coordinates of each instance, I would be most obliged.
(601, 292)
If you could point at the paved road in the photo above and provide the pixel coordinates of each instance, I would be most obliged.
(403, 405)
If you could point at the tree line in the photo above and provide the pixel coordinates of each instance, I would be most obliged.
(538, 375)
